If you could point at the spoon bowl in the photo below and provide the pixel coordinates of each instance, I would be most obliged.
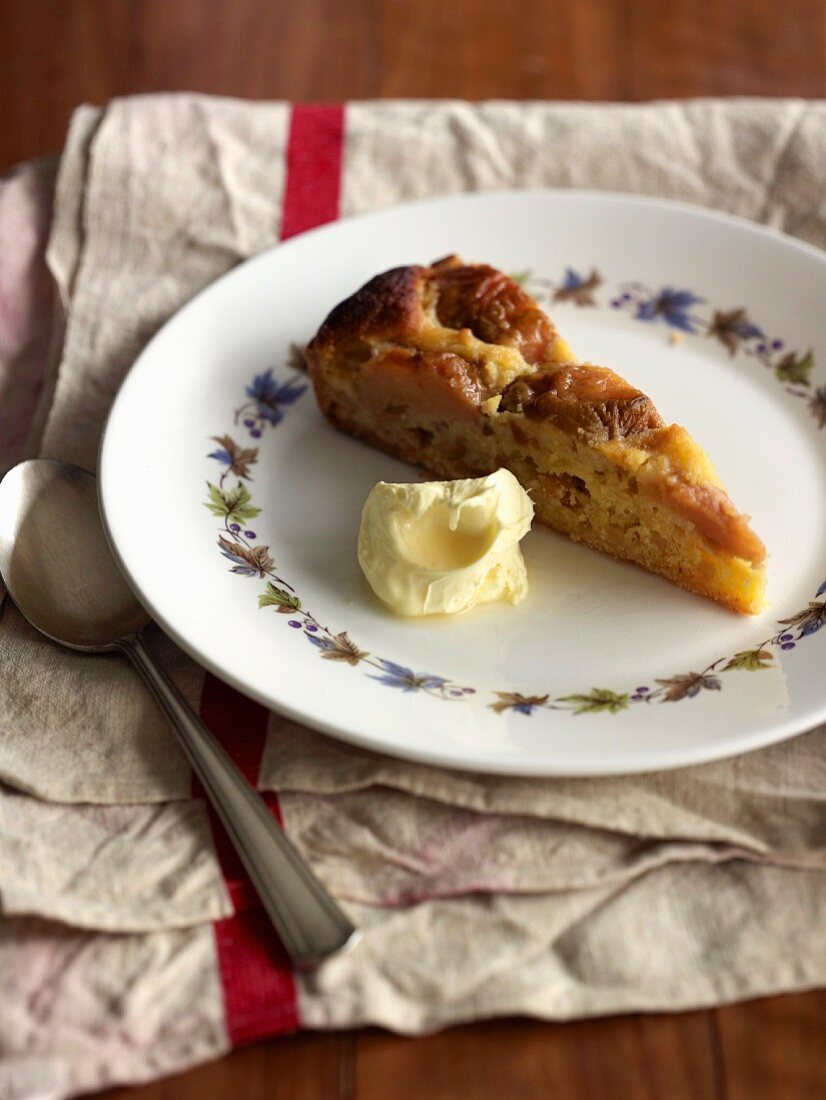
(55, 560)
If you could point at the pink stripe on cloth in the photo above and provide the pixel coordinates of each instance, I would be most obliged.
(256, 977)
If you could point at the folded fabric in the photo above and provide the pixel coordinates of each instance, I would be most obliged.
(29, 324)
(84, 1009)
(130, 942)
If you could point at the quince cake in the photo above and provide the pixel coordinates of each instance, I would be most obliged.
(455, 367)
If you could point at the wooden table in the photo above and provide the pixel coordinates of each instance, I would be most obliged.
(55, 54)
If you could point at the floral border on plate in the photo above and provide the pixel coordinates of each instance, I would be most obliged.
(268, 399)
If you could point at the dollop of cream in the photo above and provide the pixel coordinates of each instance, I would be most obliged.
(440, 547)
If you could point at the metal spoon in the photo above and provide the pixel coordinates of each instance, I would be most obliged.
(59, 570)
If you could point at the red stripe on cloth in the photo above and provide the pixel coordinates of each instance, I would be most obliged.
(256, 976)
(259, 991)
(313, 184)
(258, 986)
(240, 724)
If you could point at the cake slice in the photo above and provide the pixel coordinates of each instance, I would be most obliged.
(454, 367)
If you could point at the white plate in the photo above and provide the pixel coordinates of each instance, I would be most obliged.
(554, 685)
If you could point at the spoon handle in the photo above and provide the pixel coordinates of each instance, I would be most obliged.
(309, 922)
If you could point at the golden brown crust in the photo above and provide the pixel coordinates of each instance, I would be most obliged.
(388, 306)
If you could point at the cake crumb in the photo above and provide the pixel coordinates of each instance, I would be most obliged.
(675, 338)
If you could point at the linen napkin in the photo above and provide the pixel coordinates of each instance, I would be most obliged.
(130, 943)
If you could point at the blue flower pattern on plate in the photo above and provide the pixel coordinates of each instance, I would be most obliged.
(406, 679)
(671, 306)
(271, 397)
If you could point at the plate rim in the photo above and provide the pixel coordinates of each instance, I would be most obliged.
(657, 760)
